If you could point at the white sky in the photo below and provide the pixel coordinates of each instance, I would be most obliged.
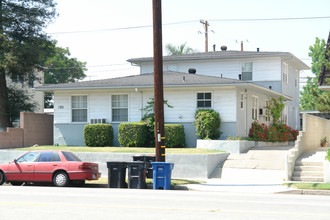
(106, 52)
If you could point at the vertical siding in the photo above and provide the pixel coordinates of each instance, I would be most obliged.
(62, 115)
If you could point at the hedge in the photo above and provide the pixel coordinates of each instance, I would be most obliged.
(139, 135)
(174, 135)
(98, 135)
(207, 124)
(133, 134)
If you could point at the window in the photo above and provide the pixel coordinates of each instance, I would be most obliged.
(119, 107)
(79, 108)
(242, 101)
(247, 71)
(255, 106)
(285, 73)
(204, 100)
(28, 157)
(285, 115)
(70, 156)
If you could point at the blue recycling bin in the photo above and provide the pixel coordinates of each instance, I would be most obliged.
(162, 172)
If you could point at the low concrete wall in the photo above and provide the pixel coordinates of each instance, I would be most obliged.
(313, 130)
(185, 165)
(231, 146)
(270, 144)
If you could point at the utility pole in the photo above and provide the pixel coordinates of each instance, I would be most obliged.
(206, 24)
(158, 82)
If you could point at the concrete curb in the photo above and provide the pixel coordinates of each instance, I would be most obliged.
(306, 192)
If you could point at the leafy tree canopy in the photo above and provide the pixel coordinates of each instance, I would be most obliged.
(24, 47)
(179, 50)
(312, 98)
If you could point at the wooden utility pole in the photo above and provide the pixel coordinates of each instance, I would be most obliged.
(158, 82)
(206, 24)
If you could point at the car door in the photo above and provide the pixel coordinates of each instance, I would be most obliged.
(22, 169)
(48, 162)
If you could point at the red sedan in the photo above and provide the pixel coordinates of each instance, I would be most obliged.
(59, 167)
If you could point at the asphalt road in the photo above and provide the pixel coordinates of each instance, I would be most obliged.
(48, 202)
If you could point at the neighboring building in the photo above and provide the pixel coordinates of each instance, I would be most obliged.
(122, 100)
(278, 71)
(237, 84)
(325, 72)
(29, 87)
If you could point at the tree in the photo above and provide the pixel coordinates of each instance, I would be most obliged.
(24, 46)
(178, 50)
(19, 101)
(60, 68)
(311, 95)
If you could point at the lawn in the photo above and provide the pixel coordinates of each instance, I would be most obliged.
(319, 186)
(174, 182)
(122, 149)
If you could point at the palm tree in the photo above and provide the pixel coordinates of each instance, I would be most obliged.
(179, 50)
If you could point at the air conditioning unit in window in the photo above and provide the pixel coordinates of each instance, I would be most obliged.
(98, 121)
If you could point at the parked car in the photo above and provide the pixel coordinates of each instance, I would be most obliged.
(59, 167)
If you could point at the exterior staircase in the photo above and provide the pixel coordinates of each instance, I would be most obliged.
(259, 164)
(309, 167)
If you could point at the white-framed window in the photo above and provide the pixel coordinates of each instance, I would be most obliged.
(119, 105)
(242, 101)
(79, 108)
(255, 107)
(204, 100)
(247, 69)
(285, 115)
(285, 73)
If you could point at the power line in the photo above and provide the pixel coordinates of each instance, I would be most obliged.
(193, 21)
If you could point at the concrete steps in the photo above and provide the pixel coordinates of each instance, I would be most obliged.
(306, 170)
(261, 164)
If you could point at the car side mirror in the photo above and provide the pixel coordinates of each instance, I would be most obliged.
(15, 161)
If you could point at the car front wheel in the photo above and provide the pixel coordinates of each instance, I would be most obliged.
(61, 179)
(2, 178)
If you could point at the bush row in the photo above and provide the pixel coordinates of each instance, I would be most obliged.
(132, 135)
(277, 132)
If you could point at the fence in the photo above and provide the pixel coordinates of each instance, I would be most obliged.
(35, 128)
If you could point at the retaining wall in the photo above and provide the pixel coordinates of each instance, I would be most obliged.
(185, 165)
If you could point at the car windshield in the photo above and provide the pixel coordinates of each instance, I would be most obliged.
(28, 157)
(70, 156)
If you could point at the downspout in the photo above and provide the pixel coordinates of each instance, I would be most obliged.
(141, 101)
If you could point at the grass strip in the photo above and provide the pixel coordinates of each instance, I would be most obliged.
(317, 186)
(174, 182)
(140, 150)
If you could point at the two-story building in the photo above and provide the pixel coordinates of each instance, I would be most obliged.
(237, 84)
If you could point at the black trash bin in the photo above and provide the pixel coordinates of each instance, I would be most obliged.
(137, 174)
(147, 159)
(116, 174)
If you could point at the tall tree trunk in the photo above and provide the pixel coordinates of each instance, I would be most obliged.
(4, 116)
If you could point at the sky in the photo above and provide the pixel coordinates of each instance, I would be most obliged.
(106, 33)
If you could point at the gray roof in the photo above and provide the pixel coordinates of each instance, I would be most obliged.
(170, 79)
(230, 54)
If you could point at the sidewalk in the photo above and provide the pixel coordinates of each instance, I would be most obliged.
(218, 185)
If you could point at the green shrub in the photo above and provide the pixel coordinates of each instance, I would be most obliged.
(98, 135)
(133, 134)
(174, 135)
(327, 157)
(207, 124)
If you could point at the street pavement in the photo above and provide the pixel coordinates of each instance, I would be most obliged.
(44, 202)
